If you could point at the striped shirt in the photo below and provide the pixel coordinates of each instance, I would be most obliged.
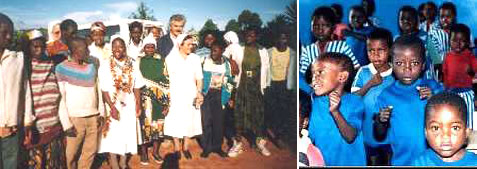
(46, 94)
(440, 43)
(310, 52)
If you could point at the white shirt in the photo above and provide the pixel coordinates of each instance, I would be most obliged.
(133, 50)
(100, 53)
(12, 84)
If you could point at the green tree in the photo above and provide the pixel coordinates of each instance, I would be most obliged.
(274, 28)
(232, 25)
(249, 19)
(142, 12)
(209, 25)
(290, 13)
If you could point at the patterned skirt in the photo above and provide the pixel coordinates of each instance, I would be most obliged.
(47, 156)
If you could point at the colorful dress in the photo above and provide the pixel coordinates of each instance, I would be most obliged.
(155, 96)
(119, 79)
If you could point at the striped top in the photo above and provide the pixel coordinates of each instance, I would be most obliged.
(45, 94)
(441, 45)
(75, 74)
(310, 52)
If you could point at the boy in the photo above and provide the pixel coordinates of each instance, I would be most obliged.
(282, 82)
(81, 111)
(15, 100)
(459, 68)
(155, 99)
(217, 88)
(356, 37)
(446, 132)
(429, 12)
(336, 117)
(135, 44)
(324, 21)
(369, 82)
(99, 49)
(401, 105)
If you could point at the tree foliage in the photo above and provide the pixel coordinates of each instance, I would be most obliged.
(232, 25)
(142, 12)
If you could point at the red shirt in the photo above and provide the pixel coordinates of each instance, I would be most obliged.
(455, 69)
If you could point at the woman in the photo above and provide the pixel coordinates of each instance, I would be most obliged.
(185, 77)
(120, 81)
(48, 149)
(249, 110)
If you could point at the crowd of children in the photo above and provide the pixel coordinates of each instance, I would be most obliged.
(67, 101)
(378, 100)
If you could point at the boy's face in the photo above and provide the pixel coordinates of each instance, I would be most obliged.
(282, 40)
(68, 33)
(5, 35)
(446, 17)
(322, 29)
(378, 52)
(446, 131)
(149, 49)
(80, 51)
(407, 65)
(357, 19)
(251, 37)
(98, 37)
(208, 40)
(136, 34)
(407, 22)
(429, 12)
(37, 48)
(216, 53)
(326, 77)
(458, 41)
(156, 32)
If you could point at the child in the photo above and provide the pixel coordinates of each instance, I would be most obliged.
(401, 105)
(208, 38)
(356, 37)
(324, 21)
(446, 132)
(135, 45)
(336, 117)
(217, 88)
(308, 154)
(339, 26)
(408, 25)
(58, 50)
(155, 97)
(459, 68)
(369, 82)
(429, 12)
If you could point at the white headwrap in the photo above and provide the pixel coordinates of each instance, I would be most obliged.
(149, 40)
(33, 34)
(231, 37)
(180, 38)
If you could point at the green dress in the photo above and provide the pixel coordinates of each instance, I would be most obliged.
(249, 113)
(155, 96)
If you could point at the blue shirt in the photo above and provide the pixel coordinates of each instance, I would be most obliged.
(406, 131)
(359, 46)
(364, 75)
(430, 158)
(324, 132)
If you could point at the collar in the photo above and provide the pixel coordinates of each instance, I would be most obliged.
(383, 74)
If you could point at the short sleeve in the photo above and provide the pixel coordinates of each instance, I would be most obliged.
(138, 79)
(358, 81)
(105, 79)
(355, 117)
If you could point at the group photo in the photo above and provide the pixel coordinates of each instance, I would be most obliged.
(387, 83)
(148, 84)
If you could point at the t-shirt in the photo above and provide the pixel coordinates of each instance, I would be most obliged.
(455, 69)
(406, 131)
(324, 132)
(279, 64)
(364, 75)
(430, 158)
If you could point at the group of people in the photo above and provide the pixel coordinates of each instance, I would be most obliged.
(65, 99)
(368, 98)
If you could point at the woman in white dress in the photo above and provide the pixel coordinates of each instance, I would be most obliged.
(120, 81)
(185, 78)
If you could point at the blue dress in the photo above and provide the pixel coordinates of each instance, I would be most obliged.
(325, 134)
(430, 158)
(406, 131)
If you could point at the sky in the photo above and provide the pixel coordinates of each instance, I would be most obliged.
(386, 12)
(28, 14)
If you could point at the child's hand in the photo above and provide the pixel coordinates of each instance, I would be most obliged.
(335, 100)
(385, 114)
(376, 80)
(424, 92)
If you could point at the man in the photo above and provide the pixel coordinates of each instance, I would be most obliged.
(58, 50)
(98, 48)
(168, 41)
(80, 107)
(15, 98)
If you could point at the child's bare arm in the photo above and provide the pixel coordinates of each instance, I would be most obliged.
(381, 124)
(346, 130)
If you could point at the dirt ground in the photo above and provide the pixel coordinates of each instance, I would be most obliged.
(280, 158)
